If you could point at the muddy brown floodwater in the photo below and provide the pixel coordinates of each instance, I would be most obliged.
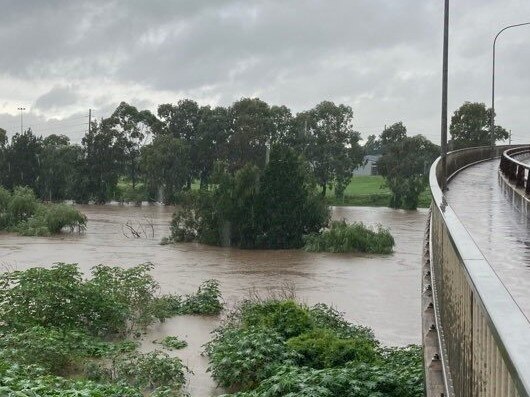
(382, 292)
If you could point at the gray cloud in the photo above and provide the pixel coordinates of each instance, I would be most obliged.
(58, 96)
(382, 57)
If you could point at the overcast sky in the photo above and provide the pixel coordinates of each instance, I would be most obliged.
(381, 57)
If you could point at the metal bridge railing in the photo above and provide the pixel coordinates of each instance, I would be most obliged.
(515, 170)
(483, 335)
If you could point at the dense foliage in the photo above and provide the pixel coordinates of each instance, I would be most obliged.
(270, 208)
(63, 335)
(471, 127)
(356, 237)
(405, 165)
(21, 212)
(160, 156)
(283, 348)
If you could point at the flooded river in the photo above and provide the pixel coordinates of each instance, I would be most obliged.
(382, 292)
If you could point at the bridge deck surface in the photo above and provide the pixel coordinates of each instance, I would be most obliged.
(501, 232)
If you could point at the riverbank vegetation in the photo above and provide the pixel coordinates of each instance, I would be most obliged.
(65, 335)
(21, 212)
(279, 347)
(271, 208)
(342, 237)
(277, 208)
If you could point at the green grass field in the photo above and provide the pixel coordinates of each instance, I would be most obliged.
(366, 191)
(369, 191)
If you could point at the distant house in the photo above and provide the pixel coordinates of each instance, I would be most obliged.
(369, 166)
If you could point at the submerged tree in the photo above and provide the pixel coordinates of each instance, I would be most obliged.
(270, 208)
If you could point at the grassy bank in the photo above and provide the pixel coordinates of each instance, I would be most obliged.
(369, 191)
(364, 191)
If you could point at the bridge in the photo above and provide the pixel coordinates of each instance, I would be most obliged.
(476, 285)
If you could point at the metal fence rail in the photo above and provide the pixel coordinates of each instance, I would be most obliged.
(515, 170)
(484, 337)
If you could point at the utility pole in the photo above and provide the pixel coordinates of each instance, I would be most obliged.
(89, 119)
(21, 120)
(510, 139)
(445, 73)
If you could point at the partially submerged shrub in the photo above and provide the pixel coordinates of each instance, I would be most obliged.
(312, 352)
(241, 358)
(352, 380)
(322, 348)
(149, 371)
(287, 317)
(22, 213)
(55, 322)
(206, 301)
(355, 237)
(173, 343)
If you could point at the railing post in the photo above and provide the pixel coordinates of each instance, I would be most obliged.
(520, 176)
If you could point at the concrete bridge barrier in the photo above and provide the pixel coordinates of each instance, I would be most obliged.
(476, 339)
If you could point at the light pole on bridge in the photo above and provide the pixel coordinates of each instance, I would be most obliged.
(443, 140)
(492, 123)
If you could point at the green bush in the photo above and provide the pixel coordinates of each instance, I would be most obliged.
(327, 356)
(54, 322)
(352, 380)
(270, 208)
(241, 358)
(342, 237)
(22, 213)
(173, 343)
(322, 348)
(62, 215)
(206, 301)
(149, 371)
(288, 318)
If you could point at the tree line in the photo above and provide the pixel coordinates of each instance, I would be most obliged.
(179, 145)
(161, 155)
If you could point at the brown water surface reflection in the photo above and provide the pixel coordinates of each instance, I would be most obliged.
(381, 292)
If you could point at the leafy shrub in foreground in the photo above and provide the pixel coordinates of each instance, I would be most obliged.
(149, 371)
(251, 353)
(241, 358)
(352, 380)
(342, 237)
(287, 317)
(115, 300)
(322, 348)
(52, 349)
(206, 301)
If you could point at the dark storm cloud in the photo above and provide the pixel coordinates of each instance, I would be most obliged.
(55, 98)
(382, 57)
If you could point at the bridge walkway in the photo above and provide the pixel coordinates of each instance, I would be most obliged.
(500, 230)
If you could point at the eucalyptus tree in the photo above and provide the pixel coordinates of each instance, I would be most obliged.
(166, 164)
(22, 160)
(470, 126)
(58, 161)
(405, 166)
(104, 161)
(330, 143)
(135, 128)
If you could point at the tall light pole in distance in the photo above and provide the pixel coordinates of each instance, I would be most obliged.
(492, 123)
(445, 73)
(21, 120)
